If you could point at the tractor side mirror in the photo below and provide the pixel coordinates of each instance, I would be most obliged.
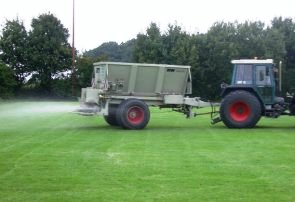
(223, 85)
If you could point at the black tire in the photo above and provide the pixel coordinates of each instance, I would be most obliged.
(240, 109)
(133, 114)
(111, 118)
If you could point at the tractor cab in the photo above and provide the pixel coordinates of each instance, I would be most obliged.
(257, 76)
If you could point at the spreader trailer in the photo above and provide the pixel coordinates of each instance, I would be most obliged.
(123, 92)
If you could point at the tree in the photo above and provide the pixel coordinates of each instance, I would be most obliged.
(287, 28)
(13, 49)
(249, 40)
(176, 46)
(109, 50)
(127, 50)
(49, 50)
(114, 52)
(85, 70)
(217, 49)
(148, 47)
(7, 81)
(274, 45)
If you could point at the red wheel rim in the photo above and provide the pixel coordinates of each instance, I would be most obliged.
(135, 115)
(240, 111)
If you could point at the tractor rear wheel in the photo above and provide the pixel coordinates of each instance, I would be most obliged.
(240, 109)
(111, 118)
(133, 114)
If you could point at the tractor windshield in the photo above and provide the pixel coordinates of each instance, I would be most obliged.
(243, 74)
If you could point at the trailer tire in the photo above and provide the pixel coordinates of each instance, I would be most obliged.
(133, 114)
(240, 109)
(111, 118)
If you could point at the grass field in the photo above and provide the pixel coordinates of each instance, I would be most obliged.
(48, 154)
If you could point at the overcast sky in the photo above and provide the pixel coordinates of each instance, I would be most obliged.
(99, 21)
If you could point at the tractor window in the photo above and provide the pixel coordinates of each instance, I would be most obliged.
(244, 74)
(262, 75)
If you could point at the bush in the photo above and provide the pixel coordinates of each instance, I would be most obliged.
(7, 82)
(62, 88)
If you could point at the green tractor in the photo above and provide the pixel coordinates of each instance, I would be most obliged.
(252, 94)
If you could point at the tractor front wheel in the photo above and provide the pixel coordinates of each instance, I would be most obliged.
(240, 109)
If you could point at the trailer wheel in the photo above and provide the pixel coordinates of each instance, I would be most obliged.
(240, 109)
(111, 118)
(133, 114)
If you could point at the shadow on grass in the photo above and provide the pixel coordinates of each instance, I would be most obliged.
(291, 127)
(180, 129)
(148, 129)
(169, 128)
(98, 127)
(258, 127)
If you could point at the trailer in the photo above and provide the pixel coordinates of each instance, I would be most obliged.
(123, 92)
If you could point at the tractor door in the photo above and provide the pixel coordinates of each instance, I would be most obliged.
(264, 83)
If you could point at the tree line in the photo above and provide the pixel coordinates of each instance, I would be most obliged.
(209, 54)
(39, 61)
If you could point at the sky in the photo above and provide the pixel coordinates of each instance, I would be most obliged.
(99, 21)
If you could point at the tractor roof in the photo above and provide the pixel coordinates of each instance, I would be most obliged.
(252, 61)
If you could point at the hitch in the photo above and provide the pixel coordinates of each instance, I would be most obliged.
(215, 120)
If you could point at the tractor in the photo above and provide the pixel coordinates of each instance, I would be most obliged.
(253, 93)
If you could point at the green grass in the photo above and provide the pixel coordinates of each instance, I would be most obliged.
(47, 154)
